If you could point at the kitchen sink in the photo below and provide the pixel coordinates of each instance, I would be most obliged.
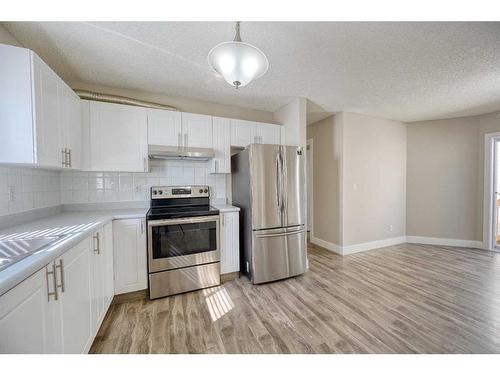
(13, 250)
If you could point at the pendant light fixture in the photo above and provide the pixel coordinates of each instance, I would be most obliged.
(238, 62)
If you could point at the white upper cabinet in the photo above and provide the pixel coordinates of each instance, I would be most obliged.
(117, 137)
(164, 127)
(242, 133)
(221, 163)
(48, 105)
(35, 120)
(197, 130)
(268, 133)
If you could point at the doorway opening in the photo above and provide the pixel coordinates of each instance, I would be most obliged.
(309, 188)
(491, 208)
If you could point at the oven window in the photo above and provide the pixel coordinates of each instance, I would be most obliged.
(183, 239)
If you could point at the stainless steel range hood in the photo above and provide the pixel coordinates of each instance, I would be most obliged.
(180, 153)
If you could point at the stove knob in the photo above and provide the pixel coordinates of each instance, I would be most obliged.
(154, 192)
(205, 191)
(201, 191)
(160, 192)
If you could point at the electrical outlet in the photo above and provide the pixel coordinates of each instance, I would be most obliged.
(12, 193)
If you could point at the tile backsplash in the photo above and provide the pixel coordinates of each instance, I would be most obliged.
(93, 187)
(24, 189)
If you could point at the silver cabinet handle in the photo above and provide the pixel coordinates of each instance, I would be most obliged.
(145, 165)
(61, 270)
(63, 155)
(142, 227)
(185, 139)
(216, 166)
(222, 221)
(54, 282)
(97, 248)
(179, 140)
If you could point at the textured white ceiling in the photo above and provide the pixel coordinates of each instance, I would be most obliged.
(401, 71)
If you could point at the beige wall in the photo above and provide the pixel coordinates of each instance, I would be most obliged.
(183, 104)
(374, 178)
(443, 179)
(7, 38)
(359, 179)
(326, 139)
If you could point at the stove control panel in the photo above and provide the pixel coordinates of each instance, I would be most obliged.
(165, 192)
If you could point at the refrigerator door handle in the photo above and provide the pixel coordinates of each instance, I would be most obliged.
(282, 234)
(278, 185)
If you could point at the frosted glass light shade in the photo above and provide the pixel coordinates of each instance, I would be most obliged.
(238, 63)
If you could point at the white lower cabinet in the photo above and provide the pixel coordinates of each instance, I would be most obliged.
(26, 324)
(129, 254)
(101, 253)
(230, 242)
(59, 308)
(73, 275)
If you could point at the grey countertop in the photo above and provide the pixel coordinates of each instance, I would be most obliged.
(75, 226)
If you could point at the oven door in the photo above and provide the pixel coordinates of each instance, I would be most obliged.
(177, 243)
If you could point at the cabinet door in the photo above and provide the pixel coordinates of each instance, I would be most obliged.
(118, 137)
(230, 242)
(242, 133)
(197, 130)
(221, 163)
(129, 255)
(25, 321)
(108, 271)
(47, 115)
(71, 125)
(75, 130)
(164, 128)
(75, 311)
(268, 133)
(98, 288)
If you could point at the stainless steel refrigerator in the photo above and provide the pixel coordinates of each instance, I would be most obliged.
(268, 184)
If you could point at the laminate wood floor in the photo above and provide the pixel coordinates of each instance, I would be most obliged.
(401, 299)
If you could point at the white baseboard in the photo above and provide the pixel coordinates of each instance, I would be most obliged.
(327, 245)
(444, 242)
(357, 248)
(351, 249)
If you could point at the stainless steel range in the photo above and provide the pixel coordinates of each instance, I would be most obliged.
(183, 240)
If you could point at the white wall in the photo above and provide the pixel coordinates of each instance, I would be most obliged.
(293, 117)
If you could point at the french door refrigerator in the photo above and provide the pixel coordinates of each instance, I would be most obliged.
(268, 184)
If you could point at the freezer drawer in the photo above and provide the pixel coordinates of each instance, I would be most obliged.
(182, 280)
(278, 254)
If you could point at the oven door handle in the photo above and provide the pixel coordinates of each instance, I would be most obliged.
(192, 220)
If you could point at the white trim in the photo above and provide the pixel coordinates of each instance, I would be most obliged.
(310, 185)
(327, 245)
(372, 245)
(445, 242)
(489, 189)
(357, 248)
